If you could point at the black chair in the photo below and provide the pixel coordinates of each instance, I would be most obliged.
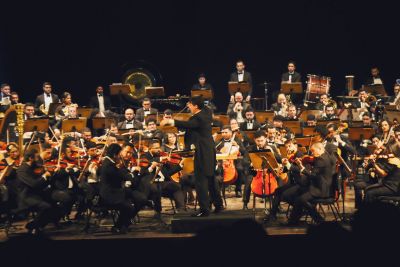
(101, 210)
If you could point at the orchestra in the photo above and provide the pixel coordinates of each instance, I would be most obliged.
(137, 156)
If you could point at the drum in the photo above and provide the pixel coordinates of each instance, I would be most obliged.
(313, 87)
(325, 85)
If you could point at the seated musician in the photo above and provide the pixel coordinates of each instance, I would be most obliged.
(310, 122)
(5, 97)
(129, 121)
(289, 191)
(86, 137)
(233, 123)
(237, 108)
(241, 75)
(375, 78)
(277, 122)
(112, 189)
(323, 102)
(292, 113)
(203, 85)
(281, 105)
(32, 192)
(367, 121)
(229, 146)
(250, 123)
(63, 111)
(44, 100)
(151, 130)
(8, 178)
(145, 110)
(320, 179)
(330, 113)
(169, 143)
(160, 174)
(14, 97)
(261, 144)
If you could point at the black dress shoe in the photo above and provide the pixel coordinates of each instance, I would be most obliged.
(201, 214)
(245, 207)
(218, 209)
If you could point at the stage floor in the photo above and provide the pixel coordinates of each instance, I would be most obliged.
(149, 228)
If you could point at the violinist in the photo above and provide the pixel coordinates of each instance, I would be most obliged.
(170, 143)
(32, 192)
(8, 179)
(112, 189)
(289, 191)
(389, 173)
(132, 178)
(320, 178)
(160, 172)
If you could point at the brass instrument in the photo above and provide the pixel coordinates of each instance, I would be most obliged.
(65, 111)
(43, 109)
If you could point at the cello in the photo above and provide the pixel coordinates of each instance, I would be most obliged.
(230, 174)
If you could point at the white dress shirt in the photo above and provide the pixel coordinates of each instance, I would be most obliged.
(102, 109)
(47, 101)
(240, 76)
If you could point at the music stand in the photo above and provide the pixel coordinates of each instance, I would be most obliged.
(292, 88)
(101, 123)
(375, 89)
(84, 112)
(393, 114)
(360, 133)
(308, 130)
(36, 124)
(263, 116)
(206, 94)
(222, 118)
(235, 87)
(316, 112)
(52, 108)
(293, 125)
(168, 129)
(154, 91)
(121, 89)
(73, 125)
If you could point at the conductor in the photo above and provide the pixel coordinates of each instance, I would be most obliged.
(199, 127)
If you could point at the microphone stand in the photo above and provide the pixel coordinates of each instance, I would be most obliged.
(266, 95)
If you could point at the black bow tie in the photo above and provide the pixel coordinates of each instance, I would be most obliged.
(100, 95)
(240, 73)
(251, 121)
(129, 122)
(48, 95)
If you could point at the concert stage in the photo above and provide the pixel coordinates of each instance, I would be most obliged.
(179, 226)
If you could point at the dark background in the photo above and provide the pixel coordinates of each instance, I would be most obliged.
(78, 45)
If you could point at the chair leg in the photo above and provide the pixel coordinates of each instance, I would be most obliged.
(254, 202)
(223, 194)
(321, 208)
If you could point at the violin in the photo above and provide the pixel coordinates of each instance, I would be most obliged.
(170, 158)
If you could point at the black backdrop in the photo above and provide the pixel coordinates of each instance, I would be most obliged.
(77, 45)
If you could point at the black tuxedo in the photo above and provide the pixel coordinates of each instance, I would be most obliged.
(137, 125)
(94, 102)
(206, 86)
(296, 77)
(140, 113)
(256, 126)
(199, 126)
(40, 99)
(246, 78)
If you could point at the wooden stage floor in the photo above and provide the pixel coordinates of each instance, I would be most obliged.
(149, 228)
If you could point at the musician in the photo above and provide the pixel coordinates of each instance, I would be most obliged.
(204, 158)
(151, 130)
(229, 145)
(261, 144)
(44, 100)
(8, 178)
(65, 112)
(281, 105)
(130, 122)
(330, 113)
(292, 113)
(29, 111)
(389, 184)
(320, 177)
(375, 78)
(169, 143)
(289, 191)
(203, 85)
(5, 97)
(100, 103)
(234, 125)
(161, 175)
(277, 123)
(250, 123)
(31, 192)
(311, 121)
(236, 108)
(145, 110)
(323, 102)
(112, 191)
(367, 122)
(14, 97)
(291, 76)
(385, 131)
(242, 76)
